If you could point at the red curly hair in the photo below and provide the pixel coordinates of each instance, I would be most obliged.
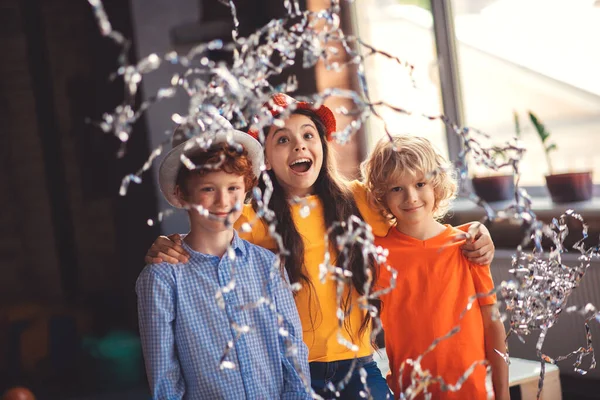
(221, 157)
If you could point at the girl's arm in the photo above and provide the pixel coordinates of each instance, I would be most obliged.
(479, 247)
(495, 335)
(167, 249)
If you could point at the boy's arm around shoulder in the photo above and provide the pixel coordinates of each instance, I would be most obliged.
(293, 350)
(156, 315)
(495, 335)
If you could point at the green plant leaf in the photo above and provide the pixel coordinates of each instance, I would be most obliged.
(544, 136)
(539, 127)
(517, 124)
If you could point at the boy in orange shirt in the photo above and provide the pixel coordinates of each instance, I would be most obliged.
(412, 186)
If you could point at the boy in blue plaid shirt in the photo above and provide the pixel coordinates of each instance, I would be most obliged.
(224, 325)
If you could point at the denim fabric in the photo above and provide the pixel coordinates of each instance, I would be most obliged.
(324, 373)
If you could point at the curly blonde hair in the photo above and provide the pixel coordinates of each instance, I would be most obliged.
(406, 154)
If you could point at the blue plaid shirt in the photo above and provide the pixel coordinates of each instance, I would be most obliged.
(184, 333)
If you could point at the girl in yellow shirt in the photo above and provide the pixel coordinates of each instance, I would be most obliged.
(300, 166)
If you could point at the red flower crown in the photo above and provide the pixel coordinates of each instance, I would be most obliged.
(282, 100)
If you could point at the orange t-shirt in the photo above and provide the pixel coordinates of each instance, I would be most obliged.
(433, 286)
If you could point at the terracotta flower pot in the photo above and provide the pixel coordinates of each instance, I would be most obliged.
(494, 188)
(570, 187)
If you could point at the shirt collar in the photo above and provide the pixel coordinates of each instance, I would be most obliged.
(237, 243)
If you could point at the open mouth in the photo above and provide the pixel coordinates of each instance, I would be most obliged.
(301, 165)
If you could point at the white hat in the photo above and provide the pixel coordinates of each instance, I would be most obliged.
(225, 133)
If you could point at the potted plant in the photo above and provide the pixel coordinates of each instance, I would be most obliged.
(498, 187)
(565, 187)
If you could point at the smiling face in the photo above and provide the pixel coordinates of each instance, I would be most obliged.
(411, 162)
(295, 154)
(411, 199)
(218, 193)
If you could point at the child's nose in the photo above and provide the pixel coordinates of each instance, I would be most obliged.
(411, 195)
(300, 146)
(220, 196)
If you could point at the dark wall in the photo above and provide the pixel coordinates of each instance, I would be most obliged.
(70, 246)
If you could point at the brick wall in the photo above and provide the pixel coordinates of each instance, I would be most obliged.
(353, 151)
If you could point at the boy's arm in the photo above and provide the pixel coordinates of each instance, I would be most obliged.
(493, 329)
(479, 247)
(495, 335)
(294, 353)
(156, 315)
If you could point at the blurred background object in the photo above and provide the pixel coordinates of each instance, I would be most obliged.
(18, 393)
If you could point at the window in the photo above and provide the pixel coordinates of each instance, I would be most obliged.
(533, 55)
(512, 55)
(403, 29)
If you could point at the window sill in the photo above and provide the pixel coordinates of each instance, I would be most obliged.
(507, 236)
(542, 206)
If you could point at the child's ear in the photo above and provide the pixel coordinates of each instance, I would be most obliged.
(180, 195)
(268, 165)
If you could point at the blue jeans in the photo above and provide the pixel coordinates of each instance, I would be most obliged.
(322, 373)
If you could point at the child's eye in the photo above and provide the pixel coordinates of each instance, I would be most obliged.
(396, 189)
(421, 184)
(282, 140)
(234, 188)
(308, 135)
(206, 189)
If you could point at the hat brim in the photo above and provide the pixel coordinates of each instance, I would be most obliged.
(169, 168)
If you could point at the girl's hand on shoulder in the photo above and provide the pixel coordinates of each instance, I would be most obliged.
(167, 249)
(479, 247)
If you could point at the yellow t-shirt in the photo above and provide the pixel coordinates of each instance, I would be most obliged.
(317, 307)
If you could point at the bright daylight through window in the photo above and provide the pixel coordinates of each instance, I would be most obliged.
(513, 56)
